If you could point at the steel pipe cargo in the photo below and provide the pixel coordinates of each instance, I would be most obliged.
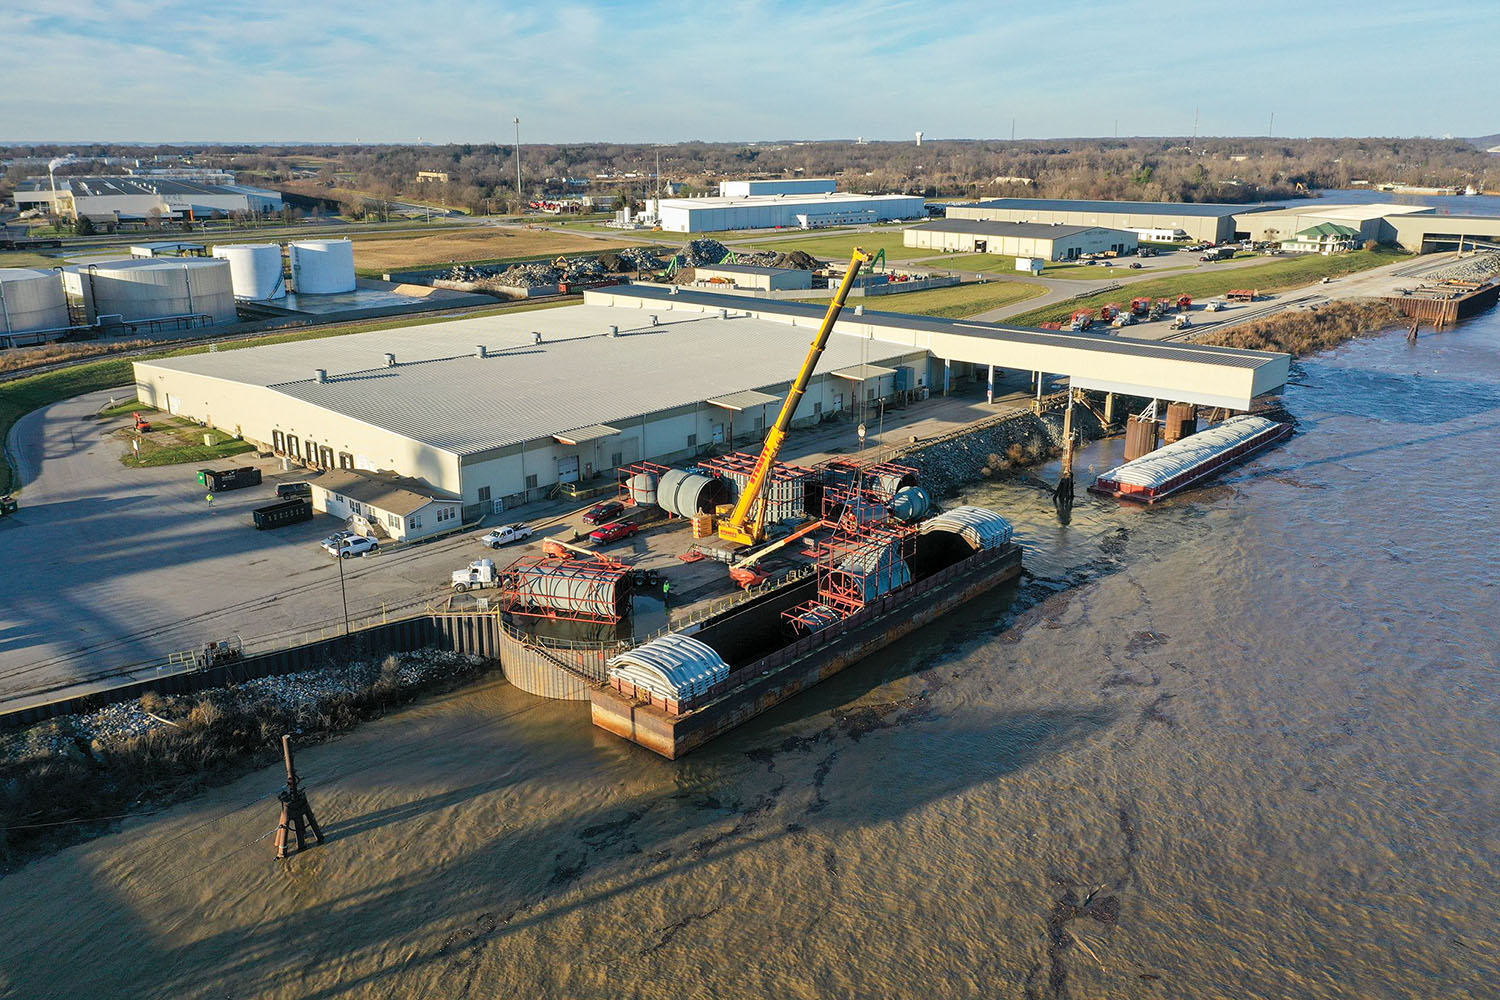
(31, 300)
(642, 488)
(577, 589)
(910, 504)
(255, 270)
(322, 267)
(687, 493)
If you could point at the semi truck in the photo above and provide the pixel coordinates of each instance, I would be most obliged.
(481, 573)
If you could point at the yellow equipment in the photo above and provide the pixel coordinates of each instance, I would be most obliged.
(746, 524)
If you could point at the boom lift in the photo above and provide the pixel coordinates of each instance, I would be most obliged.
(746, 525)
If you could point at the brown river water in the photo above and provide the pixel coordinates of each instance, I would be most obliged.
(1241, 745)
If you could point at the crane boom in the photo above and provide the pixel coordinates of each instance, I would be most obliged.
(746, 524)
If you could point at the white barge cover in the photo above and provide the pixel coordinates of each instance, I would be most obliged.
(675, 667)
(979, 526)
(1154, 471)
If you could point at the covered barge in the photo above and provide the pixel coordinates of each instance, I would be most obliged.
(1183, 464)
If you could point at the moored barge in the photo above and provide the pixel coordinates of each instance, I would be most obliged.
(1192, 460)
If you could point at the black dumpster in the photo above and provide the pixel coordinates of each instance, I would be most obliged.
(219, 480)
(282, 512)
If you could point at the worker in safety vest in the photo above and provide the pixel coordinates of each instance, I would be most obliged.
(666, 593)
(210, 499)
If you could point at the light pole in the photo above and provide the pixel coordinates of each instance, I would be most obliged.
(342, 592)
(519, 197)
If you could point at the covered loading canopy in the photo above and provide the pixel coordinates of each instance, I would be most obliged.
(1188, 373)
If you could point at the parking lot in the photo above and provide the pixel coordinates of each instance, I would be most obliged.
(114, 567)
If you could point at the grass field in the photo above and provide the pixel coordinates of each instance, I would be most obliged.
(25, 258)
(378, 254)
(172, 442)
(956, 302)
(1203, 284)
(21, 396)
(840, 246)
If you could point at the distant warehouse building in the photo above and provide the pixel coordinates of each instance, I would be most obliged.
(804, 211)
(125, 199)
(1148, 219)
(761, 279)
(1020, 239)
(796, 185)
(1366, 222)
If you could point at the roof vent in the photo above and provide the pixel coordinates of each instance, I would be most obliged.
(723, 313)
(390, 360)
(536, 336)
(614, 331)
(320, 374)
(859, 310)
(655, 320)
(480, 351)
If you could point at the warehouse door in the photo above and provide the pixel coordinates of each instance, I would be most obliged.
(325, 457)
(567, 469)
(981, 246)
(293, 446)
(278, 441)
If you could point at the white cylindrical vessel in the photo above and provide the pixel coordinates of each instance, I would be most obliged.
(255, 270)
(322, 267)
(31, 300)
(155, 288)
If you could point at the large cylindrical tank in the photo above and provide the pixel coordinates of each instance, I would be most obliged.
(155, 288)
(910, 504)
(255, 270)
(31, 300)
(573, 588)
(322, 267)
(687, 493)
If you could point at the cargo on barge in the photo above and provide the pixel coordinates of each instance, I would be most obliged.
(1185, 463)
(673, 694)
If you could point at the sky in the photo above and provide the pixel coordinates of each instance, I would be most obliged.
(763, 70)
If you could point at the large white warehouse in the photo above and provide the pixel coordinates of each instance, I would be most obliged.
(795, 185)
(1020, 239)
(497, 410)
(804, 211)
(121, 199)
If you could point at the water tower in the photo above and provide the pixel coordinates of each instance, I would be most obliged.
(919, 138)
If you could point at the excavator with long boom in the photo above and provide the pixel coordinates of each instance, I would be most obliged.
(746, 524)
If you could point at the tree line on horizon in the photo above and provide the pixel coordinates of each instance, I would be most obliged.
(482, 177)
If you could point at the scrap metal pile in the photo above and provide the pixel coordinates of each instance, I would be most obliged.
(529, 274)
(796, 260)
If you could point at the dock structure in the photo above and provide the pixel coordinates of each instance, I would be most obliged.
(1445, 303)
(1204, 375)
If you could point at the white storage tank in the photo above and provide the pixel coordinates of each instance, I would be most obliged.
(255, 270)
(154, 288)
(322, 267)
(31, 300)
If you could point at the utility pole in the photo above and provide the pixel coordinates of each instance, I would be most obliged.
(519, 196)
(1271, 128)
(1013, 130)
(1195, 125)
(295, 809)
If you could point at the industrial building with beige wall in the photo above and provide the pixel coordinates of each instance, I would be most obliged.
(1049, 241)
(1211, 222)
(495, 411)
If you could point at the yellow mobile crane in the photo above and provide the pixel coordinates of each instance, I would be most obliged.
(746, 525)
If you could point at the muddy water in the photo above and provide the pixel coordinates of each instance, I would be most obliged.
(1240, 745)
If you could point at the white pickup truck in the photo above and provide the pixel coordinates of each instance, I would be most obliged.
(506, 534)
(481, 573)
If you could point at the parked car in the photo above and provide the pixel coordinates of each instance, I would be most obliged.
(333, 539)
(1135, 265)
(357, 545)
(604, 513)
(1090, 261)
(506, 534)
(286, 491)
(613, 532)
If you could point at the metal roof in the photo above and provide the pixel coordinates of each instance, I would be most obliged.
(441, 393)
(1204, 209)
(1329, 229)
(593, 432)
(749, 269)
(674, 666)
(744, 400)
(390, 494)
(858, 373)
(1023, 230)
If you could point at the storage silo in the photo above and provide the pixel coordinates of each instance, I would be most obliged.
(322, 267)
(255, 270)
(154, 288)
(31, 300)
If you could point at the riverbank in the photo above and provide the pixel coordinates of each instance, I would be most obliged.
(1302, 332)
(70, 778)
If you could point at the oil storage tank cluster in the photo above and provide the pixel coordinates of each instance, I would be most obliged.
(322, 267)
(685, 493)
(154, 288)
(31, 300)
(255, 270)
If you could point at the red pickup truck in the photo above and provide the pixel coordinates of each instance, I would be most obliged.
(613, 532)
